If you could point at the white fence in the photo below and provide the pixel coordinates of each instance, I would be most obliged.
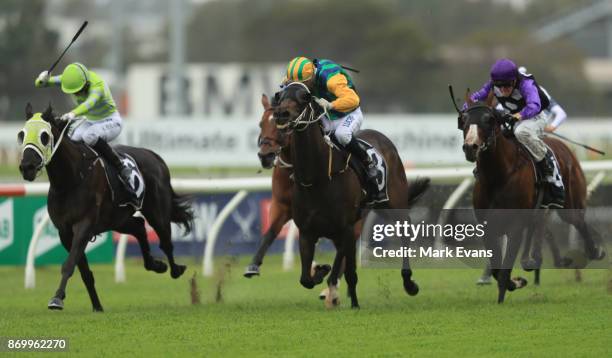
(242, 186)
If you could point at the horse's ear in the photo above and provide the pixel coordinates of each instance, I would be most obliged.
(276, 99)
(468, 99)
(265, 101)
(28, 111)
(490, 102)
(48, 113)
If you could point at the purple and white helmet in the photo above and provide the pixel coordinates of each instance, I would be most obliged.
(504, 70)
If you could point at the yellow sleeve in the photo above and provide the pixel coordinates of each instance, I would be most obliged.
(346, 98)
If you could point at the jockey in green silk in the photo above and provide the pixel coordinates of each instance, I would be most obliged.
(95, 104)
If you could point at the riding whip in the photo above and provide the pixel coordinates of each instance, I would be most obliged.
(578, 144)
(67, 47)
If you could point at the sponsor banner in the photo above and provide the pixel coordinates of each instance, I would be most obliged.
(475, 238)
(240, 234)
(19, 217)
(232, 142)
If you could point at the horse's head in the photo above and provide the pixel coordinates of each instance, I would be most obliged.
(37, 139)
(481, 125)
(270, 140)
(290, 104)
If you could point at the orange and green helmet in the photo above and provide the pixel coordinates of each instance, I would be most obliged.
(299, 69)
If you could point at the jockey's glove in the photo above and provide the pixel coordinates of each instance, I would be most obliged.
(43, 78)
(68, 117)
(325, 104)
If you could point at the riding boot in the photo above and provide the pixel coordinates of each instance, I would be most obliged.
(554, 196)
(371, 171)
(113, 158)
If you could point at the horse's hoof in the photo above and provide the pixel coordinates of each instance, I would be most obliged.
(411, 288)
(307, 283)
(577, 259)
(251, 270)
(598, 254)
(177, 271)
(355, 306)
(529, 265)
(320, 272)
(484, 280)
(56, 304)
(324, 293)
(98, 309)
(519, 282)
(564, 262)
(156, 266)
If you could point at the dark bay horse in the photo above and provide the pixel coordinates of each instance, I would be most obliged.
(80, 202)
(507, 180)
(326, 205)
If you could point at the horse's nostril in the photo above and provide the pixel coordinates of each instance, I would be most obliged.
(474, 146)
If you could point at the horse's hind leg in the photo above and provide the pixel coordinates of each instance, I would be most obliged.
(164, 233)
(88, 280)
(135, 226)
(410, 286)
(350, 274)
(331, 298)
(593, 250)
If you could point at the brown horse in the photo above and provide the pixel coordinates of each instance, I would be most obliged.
(507, 180)
(274, 151)
(326, 203)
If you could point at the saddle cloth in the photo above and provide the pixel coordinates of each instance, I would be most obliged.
(119, 193)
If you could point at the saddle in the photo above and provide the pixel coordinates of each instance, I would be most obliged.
(340, 160)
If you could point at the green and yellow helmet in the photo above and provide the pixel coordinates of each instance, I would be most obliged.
(299, 69)
(74, 78)
(36, 134)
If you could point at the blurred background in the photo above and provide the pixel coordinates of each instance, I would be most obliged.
(188, 75)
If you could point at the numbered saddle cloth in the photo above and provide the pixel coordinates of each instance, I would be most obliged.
(119, 192)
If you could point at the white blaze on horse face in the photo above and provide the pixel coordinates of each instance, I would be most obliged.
(270, 118)
(472, 137)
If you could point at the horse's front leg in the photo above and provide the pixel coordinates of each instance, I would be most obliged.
(280, 214)
(504, 281)
(332, 298)
(307, 248)
(82, 234)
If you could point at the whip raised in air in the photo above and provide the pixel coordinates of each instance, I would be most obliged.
(67, 47)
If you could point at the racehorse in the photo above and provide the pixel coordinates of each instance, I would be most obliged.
(80, 199)
(327, 203)
(507, 180)
(275, 152)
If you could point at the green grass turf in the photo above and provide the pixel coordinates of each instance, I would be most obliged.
(151, 315)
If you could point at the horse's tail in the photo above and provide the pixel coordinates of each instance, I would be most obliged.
(182, 212)
(416, 189)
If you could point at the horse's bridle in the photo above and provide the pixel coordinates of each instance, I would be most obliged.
(299, 123)
(491, 135)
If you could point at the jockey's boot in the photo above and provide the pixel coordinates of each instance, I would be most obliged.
(554, 195)
(113, 158)
(356, 149)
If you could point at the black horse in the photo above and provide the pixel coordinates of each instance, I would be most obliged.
(80, 199)
(328, 203)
